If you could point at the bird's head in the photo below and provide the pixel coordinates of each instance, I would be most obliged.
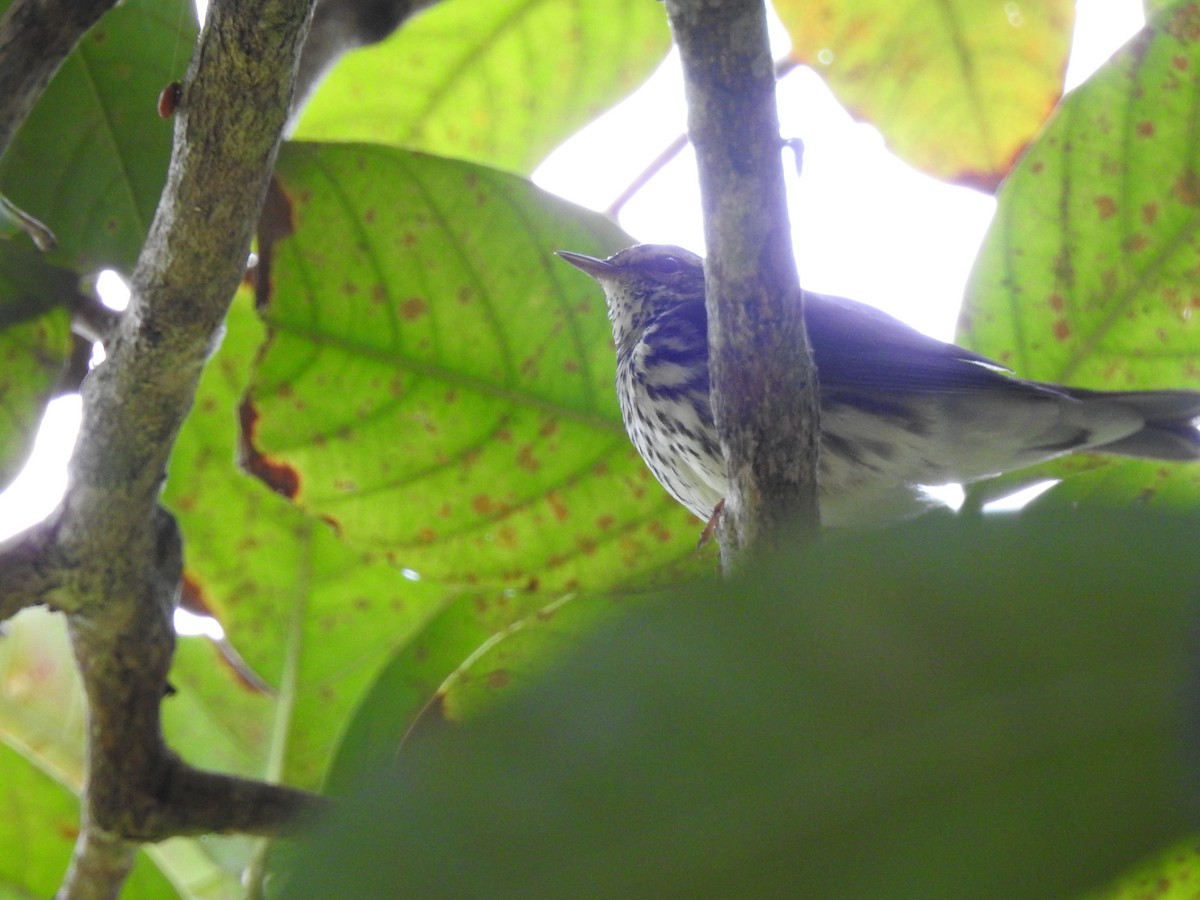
(642, 282)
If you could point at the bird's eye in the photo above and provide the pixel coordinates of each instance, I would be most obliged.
(664, 265)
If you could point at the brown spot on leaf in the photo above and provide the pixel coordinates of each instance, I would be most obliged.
(506, 537)
(426, 535)
(548, 427)
(413, 308)
(1184, 23)
(1062, 330)
(1149, 213)
(1056, 302)
(278, 476)
(465, 295)
(660, 531)
(370, 215)
(497, 679)
(557, 506)
(526, 460)
(1106, 207)
(605, 522)
(1187, 188)
(482, 504)
(1145, 128)
(1137, 242)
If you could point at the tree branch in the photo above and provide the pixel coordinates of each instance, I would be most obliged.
(30, 570)
(783, 68)
(122, 552)
(763, 378)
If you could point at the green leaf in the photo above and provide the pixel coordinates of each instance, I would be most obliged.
(91, 159)
(311, 616)
(957, 88)
(34, 344)
(1088, 273)
(439, 387)
(501, 82)
(953, 709)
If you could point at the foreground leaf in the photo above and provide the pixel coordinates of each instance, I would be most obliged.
(472, 656)
(954, 709)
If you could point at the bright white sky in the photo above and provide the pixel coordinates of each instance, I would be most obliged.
(865, 224)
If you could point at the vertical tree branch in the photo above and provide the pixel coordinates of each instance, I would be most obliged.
(763, 379)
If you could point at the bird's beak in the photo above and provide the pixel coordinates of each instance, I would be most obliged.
(597, 268)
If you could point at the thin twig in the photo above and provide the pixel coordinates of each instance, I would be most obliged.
(782, 68)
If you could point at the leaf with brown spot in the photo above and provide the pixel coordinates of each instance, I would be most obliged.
(417, 407)
(957, 88)
(1102, 215)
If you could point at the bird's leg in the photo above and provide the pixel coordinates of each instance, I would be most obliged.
(710, 527)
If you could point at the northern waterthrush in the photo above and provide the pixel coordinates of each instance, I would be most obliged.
(898, 409)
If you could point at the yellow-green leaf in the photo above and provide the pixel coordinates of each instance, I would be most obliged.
(957, 88)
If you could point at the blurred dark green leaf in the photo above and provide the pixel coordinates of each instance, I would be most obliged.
(1173, 875)
(955, 709)
(91, 159)
(474, 654)
(500, 82)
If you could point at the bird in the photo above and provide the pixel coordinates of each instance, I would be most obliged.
(899, 411)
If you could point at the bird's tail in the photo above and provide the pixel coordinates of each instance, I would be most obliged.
(1170, 431)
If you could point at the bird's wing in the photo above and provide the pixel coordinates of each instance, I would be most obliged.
(857, 347)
